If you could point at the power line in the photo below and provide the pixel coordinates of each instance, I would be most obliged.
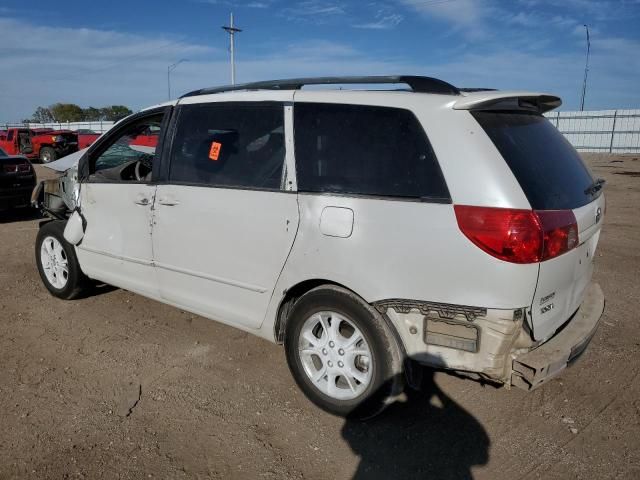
(119, 62)
(170, 69)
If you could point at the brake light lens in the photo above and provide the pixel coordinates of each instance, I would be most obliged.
(519, 236)
(19, 168)
(560, 231)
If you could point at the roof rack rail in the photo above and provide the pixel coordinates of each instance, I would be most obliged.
(417, 84)
(477, 89)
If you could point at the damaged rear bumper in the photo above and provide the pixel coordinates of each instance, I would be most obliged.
(534, 368)
(15, 197)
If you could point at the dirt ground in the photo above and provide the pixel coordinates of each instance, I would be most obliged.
(118, 386)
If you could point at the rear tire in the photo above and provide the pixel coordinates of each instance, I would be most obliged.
(342, 354)
(48, 155)
(58, 264)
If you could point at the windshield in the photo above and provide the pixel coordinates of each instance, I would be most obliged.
(3, 153)
(548, 168)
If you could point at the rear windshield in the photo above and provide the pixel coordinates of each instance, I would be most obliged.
(549, 170)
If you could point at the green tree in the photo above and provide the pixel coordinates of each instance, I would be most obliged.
(42, 115)
(115, 112)
(92, 114)
(70, 112)
(66, 112)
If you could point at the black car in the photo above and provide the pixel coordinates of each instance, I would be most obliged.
(17, 181)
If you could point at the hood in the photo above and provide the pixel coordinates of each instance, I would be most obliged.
(65, 163)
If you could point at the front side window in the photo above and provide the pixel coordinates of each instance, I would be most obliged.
(131, 154)
(367, 150)
(229, 145)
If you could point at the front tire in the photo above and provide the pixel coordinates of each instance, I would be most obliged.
(58, 264)
(342, 354)
(48, 155)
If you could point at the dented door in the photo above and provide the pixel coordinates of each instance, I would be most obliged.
(116, 247)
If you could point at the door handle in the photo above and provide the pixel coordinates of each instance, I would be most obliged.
(168, 202)
(141, 201)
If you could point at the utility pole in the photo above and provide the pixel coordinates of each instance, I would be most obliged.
(170, 69)
(586, 70)
(231, 30)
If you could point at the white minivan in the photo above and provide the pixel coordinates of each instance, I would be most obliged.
(366, 230)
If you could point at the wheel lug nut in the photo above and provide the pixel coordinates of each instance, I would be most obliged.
(341, 352)
(331, 344)
(330, 363)
(324, 351)
(340, 364)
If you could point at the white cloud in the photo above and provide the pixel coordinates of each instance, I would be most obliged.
(563, 21)
(467, 16)
(314, 11)
(260, 4)
(385, 18)
(479, 19)
(525, 19)
(383, 23)
(319, 49)
(598, 10)
(42, 65)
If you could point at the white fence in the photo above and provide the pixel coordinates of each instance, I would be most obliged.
(605, 131)
(98, 127)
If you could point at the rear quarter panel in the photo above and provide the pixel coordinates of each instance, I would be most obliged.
(400, 249)
(412, 249)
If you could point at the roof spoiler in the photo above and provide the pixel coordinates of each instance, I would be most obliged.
(502, 100)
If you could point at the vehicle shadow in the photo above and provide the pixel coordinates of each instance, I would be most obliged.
(95, 289)
(428, 436)
(19, 215)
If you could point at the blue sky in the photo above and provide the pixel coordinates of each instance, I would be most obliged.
(117, 52)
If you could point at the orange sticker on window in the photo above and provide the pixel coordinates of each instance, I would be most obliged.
(214, 152)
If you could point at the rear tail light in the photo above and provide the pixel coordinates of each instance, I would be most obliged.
(519, 236)
(560, 230)
(16, 168)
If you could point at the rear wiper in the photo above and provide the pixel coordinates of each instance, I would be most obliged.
(595, 187)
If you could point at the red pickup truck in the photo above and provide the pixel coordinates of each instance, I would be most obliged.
(43, 143)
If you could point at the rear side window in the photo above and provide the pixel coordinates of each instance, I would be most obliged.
(366, 150)
(549, 170)
(229, 144)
